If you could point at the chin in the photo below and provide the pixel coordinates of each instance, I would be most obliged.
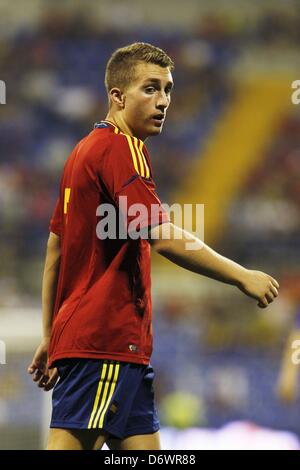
(155, 131)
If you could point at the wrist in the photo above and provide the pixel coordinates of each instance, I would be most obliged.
(241, 277)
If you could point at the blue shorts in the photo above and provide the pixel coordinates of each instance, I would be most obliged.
(116, 397)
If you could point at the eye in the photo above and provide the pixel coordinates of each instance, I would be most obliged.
(150, 89)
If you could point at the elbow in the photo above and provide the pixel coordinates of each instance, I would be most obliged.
(161, 247)
(160, 237)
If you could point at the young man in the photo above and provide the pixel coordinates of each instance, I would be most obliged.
(96, 291)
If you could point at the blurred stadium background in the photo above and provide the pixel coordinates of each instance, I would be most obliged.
(231, 141)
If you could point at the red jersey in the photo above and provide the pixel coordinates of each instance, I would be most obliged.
(103, 302)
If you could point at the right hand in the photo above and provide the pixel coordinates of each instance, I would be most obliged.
(45, 378)
(259, 286)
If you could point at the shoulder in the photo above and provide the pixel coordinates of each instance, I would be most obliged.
(104, 138)
(96, 142)
(121, 141)
(127, 146)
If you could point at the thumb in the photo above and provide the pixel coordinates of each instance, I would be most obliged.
(36, 364)
(32, 367)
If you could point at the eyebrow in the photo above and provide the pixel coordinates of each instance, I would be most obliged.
(157, 82)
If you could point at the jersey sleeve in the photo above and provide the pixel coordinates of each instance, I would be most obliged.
(127, 176)
(56, 219)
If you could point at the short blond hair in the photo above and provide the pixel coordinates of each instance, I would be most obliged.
(120, 69)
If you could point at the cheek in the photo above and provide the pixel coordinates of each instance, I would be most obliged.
(148, 105)
(137, 105)
(143, 109)
(140, 107)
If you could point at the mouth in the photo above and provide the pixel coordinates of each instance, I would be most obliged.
(158, 118)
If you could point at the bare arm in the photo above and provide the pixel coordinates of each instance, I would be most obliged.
(171, 242)
(50, 278)
(39, 365)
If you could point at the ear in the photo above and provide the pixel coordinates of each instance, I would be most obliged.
(117, 97)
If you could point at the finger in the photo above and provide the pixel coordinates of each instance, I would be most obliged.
(31, 368)
(269, 296)
(263, 303)
(36, 365)
(49, 385)
(37, 375)
(274, 291)
(275, 283)
(53, 376)
(51, 382)
(43, 380)
(54, 373)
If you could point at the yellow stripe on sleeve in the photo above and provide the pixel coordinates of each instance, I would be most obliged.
(139, 156)
(132, 153)
(66, 199)
(145, 161)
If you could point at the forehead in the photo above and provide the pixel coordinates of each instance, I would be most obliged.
(145, 71)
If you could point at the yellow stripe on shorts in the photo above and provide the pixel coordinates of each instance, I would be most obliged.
(108, 390)
(100, 386)
(112, 389)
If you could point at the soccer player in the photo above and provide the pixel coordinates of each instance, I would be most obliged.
(97, 333)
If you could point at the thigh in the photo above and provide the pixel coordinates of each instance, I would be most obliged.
(75, 439)
(138, 442)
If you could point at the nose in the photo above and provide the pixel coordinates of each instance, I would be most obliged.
(163, 102)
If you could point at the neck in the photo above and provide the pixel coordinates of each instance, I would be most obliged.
(119, 121)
